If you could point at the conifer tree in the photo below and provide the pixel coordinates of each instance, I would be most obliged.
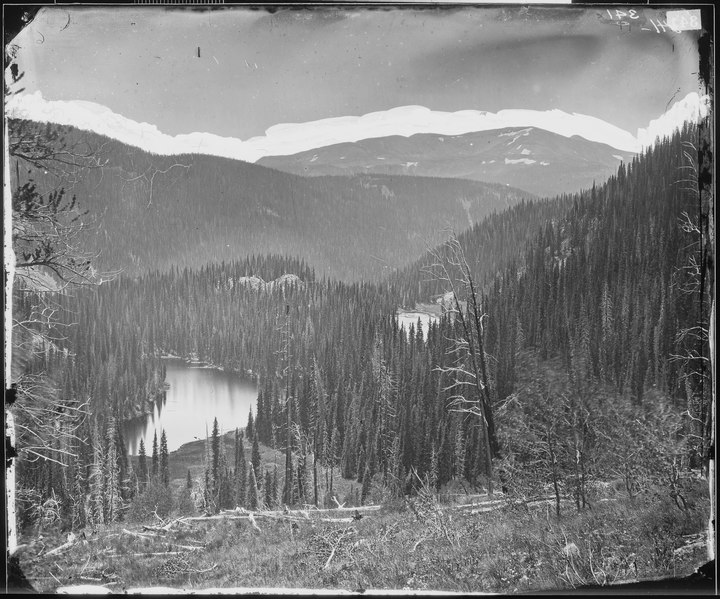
(255, 456)
(238, 442)
(253, 492)
(433, 478)
(275, 488)
(164, 465)
(250, 428)
(215, 468)
(299, 480)
(185, 504)
(366, 485)
(460, 450)
(155, 456)
(113, 499)
(240, 472)
(97, 479)
(225, 491)
(124, 468)
(269, 499)
(79, 517)
(142, 467)
(129, 483)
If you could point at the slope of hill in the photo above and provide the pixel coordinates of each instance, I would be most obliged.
(156, 211)
(539, 161)
(611, 286)
(489, 247)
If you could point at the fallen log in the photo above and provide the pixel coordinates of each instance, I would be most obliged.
(216, 517)
(70, 542)
(336, 520)
(276, 516)
(145, 554)
(304, 514)
(467, 506)
(164, 527)
(142, 535)
(362, 508)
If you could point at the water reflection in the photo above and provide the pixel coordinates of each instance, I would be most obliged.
(195, 397)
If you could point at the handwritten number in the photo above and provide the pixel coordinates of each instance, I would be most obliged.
(619, 14)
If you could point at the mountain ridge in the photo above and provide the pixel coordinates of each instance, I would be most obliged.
(539, 161)
(291, 138)
(157, 211)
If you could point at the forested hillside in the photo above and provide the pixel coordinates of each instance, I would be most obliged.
(616, 288)
(489, 247)
(594, 329)
(152, 212)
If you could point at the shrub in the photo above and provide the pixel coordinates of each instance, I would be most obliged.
(157, 498)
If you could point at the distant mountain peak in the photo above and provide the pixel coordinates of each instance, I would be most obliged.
(531, 158)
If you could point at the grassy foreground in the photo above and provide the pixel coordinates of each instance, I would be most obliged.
(413, 544)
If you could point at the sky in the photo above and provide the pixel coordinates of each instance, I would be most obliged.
(257, 69)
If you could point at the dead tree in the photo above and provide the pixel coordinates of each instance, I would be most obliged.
(470, 382)
(47, 258)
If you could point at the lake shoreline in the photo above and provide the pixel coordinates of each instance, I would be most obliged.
(196, 394)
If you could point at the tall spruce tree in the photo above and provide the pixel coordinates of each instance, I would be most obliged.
(240, 472)
(253, 501)
(250, 428)
(142, 467)
(215, 468)
(113, 498)
(255, 456)
(269, 499)
(97, 479)
(164, 463)
(155, 456)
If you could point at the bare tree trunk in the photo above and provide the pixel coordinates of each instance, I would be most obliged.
(475, 374)
(482, 388)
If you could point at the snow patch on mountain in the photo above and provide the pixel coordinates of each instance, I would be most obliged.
(516, 134)
(519, 161)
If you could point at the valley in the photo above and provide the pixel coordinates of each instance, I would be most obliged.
(155, 212)
(371, 399)
(303, 302)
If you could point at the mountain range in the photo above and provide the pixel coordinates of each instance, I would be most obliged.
(153, 212)
(536, 160)
(291, 138)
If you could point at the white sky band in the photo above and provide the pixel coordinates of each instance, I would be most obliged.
(291, 138)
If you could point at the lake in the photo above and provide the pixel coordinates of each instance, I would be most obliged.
(197, 394)
(408, 319)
